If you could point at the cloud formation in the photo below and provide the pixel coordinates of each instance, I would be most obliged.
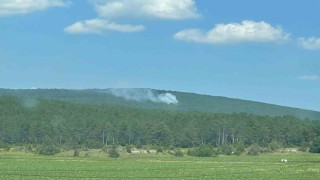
(310, 43)
(309, 77)
(98, 26)
(163, 9)
(246, 31)
(13, 7)
(109, 11)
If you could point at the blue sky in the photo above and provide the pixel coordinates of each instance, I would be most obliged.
(265, 51)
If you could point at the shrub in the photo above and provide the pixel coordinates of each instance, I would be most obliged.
(274, 146)
(139, 146)
(4, 145)
(226, 149)
(159, 150)
(254, 150)
(49, 150)
(76, 152)
(178, 153)
(191, 152)
(203, 151)
(239, 149)
(315, 146)
(7, 149)
(29, 148)
(303, 146)
(113, 152)
(128, 148)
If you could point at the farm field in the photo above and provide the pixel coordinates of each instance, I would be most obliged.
(19, 165)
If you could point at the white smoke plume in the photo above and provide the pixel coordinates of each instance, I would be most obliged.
(30, 103)
(144, 95)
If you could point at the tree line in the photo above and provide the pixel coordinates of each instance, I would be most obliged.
(50, 122)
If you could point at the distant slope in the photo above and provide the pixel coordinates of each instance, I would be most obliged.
(187, 102)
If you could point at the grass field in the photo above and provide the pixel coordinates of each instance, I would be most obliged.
(14, 165)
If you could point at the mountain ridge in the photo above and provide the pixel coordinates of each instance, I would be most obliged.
(187, 101)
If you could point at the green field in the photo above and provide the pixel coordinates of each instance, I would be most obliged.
(63, 166)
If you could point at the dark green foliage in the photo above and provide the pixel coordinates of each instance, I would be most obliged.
(113, 152)
(29, 148)
(202, 151)
(315, 146)
(239, 149)
(4, 145)
(139, 145)
(159, 150)
(128, 148)
(274, 146)
(95, 126)
(304, 147)
(254, 150)
(178, 153)
(191, 152)
(76, 152)
(226, 149)
(187, 102)
(7, 149)
(48, 150)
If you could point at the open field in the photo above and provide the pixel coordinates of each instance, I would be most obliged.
(266, 166)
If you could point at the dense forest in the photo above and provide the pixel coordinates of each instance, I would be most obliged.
(94, 126)
(189, 102)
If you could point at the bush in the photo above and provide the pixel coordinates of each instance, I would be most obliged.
(178, 153)
(49, 150)
(105, 149)
(128, 148)
(303, 146)
(226, 149)
(139, 146)
(191, 152)
(315, 146)
(76, 152)
(113, 152)
(29, 148)
(7, 149)
(239, 149)
(4, 145)
(274, 146)
(254, 150)
(159, 150)
(203, 151)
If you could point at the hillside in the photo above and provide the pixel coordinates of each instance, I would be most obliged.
(68, 124)
(148, 99)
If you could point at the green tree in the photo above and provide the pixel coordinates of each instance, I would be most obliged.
(315, 146)
(113, 152)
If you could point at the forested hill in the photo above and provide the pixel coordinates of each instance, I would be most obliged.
(147, 99)
(50, 122)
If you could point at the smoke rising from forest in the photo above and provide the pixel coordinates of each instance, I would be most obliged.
(30, 103)
(144, 95)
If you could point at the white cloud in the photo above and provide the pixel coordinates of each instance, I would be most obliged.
(12, 7)
(98, 26)
(310, 43)
(309, 77)
(163, 9)
(246, 31)
(110, 10)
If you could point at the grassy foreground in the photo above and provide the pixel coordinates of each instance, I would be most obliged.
(266, 166)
